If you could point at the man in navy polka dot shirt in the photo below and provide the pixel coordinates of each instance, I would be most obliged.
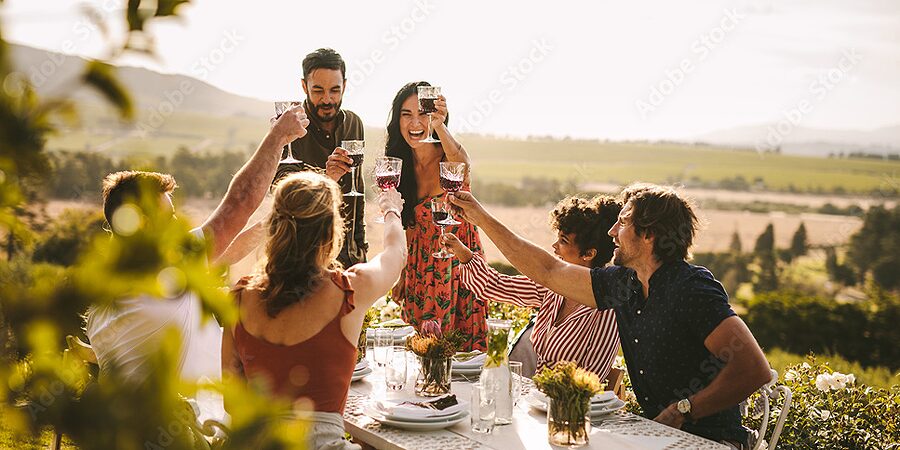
(690, 358)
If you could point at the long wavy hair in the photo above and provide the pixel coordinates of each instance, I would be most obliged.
(396, 146)
(305, 235)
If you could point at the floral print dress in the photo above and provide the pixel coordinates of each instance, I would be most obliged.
(432, 288)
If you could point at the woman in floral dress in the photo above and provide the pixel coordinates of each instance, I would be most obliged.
(429, 287)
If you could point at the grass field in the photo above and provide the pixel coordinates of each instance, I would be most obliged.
(496, 159)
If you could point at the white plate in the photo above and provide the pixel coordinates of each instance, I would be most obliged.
(420, 426)
(360, 374)
(361, 365)
(597, 409)
(379, 415)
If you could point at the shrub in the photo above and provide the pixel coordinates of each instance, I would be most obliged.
(831, 410)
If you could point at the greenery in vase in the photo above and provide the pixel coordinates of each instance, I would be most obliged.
(431, 342)
(371, 314)
(570, 387)
(498, 341)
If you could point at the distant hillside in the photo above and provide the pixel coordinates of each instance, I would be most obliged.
(55, 74)
(810, 141)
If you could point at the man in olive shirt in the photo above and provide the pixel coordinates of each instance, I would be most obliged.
(324, 80)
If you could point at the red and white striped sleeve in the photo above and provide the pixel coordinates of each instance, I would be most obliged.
(485, 282)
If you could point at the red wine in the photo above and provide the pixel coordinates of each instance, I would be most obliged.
(451, 185)
(357, 159)
(426, 105)
(387, 180)
(439, 216)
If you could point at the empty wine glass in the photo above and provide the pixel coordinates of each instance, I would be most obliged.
(355, 150)
(427, 96)
(439, 213)
(452, 176)
(281, 108)
(387, 175)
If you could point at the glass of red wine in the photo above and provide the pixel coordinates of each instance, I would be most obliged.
(281, 108)
(387, 175)
(427, 96)
(355, 150)
(440, 211)
(452, 176)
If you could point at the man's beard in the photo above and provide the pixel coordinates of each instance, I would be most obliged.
(315, 110)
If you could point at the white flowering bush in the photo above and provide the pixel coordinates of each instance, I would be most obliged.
(387, 309)
(831, 410)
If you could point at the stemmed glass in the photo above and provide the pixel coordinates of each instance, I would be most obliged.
(384, 341)
(439, 213)
(387, 175)
(281, 108)
(355, 151)
(452, 176)
(427, 96)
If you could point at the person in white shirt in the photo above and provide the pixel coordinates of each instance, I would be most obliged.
(125, 334)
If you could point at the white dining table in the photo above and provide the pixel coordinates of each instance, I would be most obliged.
(620, 430)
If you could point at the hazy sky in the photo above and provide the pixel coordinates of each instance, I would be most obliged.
(604, 69)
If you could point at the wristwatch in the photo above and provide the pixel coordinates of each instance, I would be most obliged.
(684, 407)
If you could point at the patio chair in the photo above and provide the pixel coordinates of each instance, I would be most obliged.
(614, 382)
(768, 393)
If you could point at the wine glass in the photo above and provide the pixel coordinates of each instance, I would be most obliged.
(281, 108)
(384, 341)
(387, 175)
(355, 150)
(452, 176)
(427, 96)
(439, 213)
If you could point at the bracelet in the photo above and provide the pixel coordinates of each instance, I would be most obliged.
(393, 210)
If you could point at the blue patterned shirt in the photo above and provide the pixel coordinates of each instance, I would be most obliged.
(662, 337)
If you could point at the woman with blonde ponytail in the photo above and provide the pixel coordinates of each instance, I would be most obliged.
(300, 314)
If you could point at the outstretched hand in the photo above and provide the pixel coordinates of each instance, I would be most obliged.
(466, 206)
(291, 125)
(338, 164)
(455, 246)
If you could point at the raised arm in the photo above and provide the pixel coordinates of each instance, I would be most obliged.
(476, 275)
(372, 279)
(249, 185)
(243, 244)
(569, 280)
(452, 148)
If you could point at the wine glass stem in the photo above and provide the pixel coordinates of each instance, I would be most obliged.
(290, 154)
(428, 136)
(353, 179)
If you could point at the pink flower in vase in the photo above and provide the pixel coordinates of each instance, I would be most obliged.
(432, 328)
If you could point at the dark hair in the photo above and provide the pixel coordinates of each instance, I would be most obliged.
(324, 58)
(396, 146)
(129, 185)
(589, 221)
(660, 212)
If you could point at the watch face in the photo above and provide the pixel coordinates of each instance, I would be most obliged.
(684, 406)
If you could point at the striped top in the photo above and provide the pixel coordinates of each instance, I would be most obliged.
(588, 336)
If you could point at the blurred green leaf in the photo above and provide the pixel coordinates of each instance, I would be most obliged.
(101, 76)
(134, 16)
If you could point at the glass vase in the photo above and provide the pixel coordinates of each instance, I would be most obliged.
(568, 424)
(434, 376)
(496, 375)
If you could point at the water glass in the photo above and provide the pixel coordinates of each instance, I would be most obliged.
(484, 409)
(384, 341)
(515, 368)
(395, 372)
